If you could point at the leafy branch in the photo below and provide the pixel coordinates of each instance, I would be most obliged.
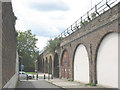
(53, 44)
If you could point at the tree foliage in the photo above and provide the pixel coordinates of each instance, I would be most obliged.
(27, 50)
(53, 44)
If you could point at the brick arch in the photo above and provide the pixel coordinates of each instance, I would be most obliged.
(56, 66)
(100, 41)
(62, 55)
(74, 50)
(50, 65)
(96, 55)
(65, 65)
(43, 65)
(40, 64)
(73, 59)
(46, 65)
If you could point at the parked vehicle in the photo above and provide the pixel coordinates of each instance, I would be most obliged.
(24, 75)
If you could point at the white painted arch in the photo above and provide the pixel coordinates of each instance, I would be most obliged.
(107, 61)
(81, 64)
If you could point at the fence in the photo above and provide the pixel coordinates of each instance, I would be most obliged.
(96, 11)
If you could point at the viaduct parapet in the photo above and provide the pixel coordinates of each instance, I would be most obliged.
(86, 51)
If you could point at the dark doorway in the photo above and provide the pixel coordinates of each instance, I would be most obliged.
(46, 66)
(43, 66)
(56, 66)
(50, 65)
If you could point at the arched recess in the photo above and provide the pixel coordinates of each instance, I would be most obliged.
(56, 66)
(81, 64)
(39, 64)
(46, 65)
(107, 60)
(43, 66)
(50, 65)
(65, 65)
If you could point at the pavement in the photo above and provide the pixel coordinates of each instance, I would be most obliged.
(35, 84)
(52, 83)
(63, 83)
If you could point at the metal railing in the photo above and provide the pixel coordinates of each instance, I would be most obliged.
(96, 11)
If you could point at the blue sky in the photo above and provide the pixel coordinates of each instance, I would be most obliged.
(48, 18)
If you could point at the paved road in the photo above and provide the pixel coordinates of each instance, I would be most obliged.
(35, 84)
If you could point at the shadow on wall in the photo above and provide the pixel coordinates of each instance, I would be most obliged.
(56, 66)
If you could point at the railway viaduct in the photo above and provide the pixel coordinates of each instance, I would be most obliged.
(88, 55)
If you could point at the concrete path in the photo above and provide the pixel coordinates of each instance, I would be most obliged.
(64, 83)
(52, 83)
(35, 84)
(70, 84)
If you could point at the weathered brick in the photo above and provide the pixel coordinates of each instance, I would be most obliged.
(89, 35)
(0, 45)
(8, 42)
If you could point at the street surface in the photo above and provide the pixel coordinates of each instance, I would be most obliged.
(35, 84)
(52, 83)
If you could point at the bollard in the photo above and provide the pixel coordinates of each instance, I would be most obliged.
(37, 76)
(33, 76)
(27, 77)
(44, 76)
(51, 76)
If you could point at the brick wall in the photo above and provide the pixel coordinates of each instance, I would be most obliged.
(8, 43)
(91, 35)
(0, 45)
(65, 65)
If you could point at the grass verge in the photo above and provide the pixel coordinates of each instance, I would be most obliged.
(31, 72)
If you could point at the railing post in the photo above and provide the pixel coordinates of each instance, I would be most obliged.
(96, 10)
(71, 28)
(76, 25)
(108, 4)
(68, 31)
(81, 20)
(64, 34)
(88, 16)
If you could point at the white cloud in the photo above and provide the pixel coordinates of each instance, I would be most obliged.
(42, 42)
(49, 23)
(49, 6)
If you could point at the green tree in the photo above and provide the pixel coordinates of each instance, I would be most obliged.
(53, 44)
(27, 50)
